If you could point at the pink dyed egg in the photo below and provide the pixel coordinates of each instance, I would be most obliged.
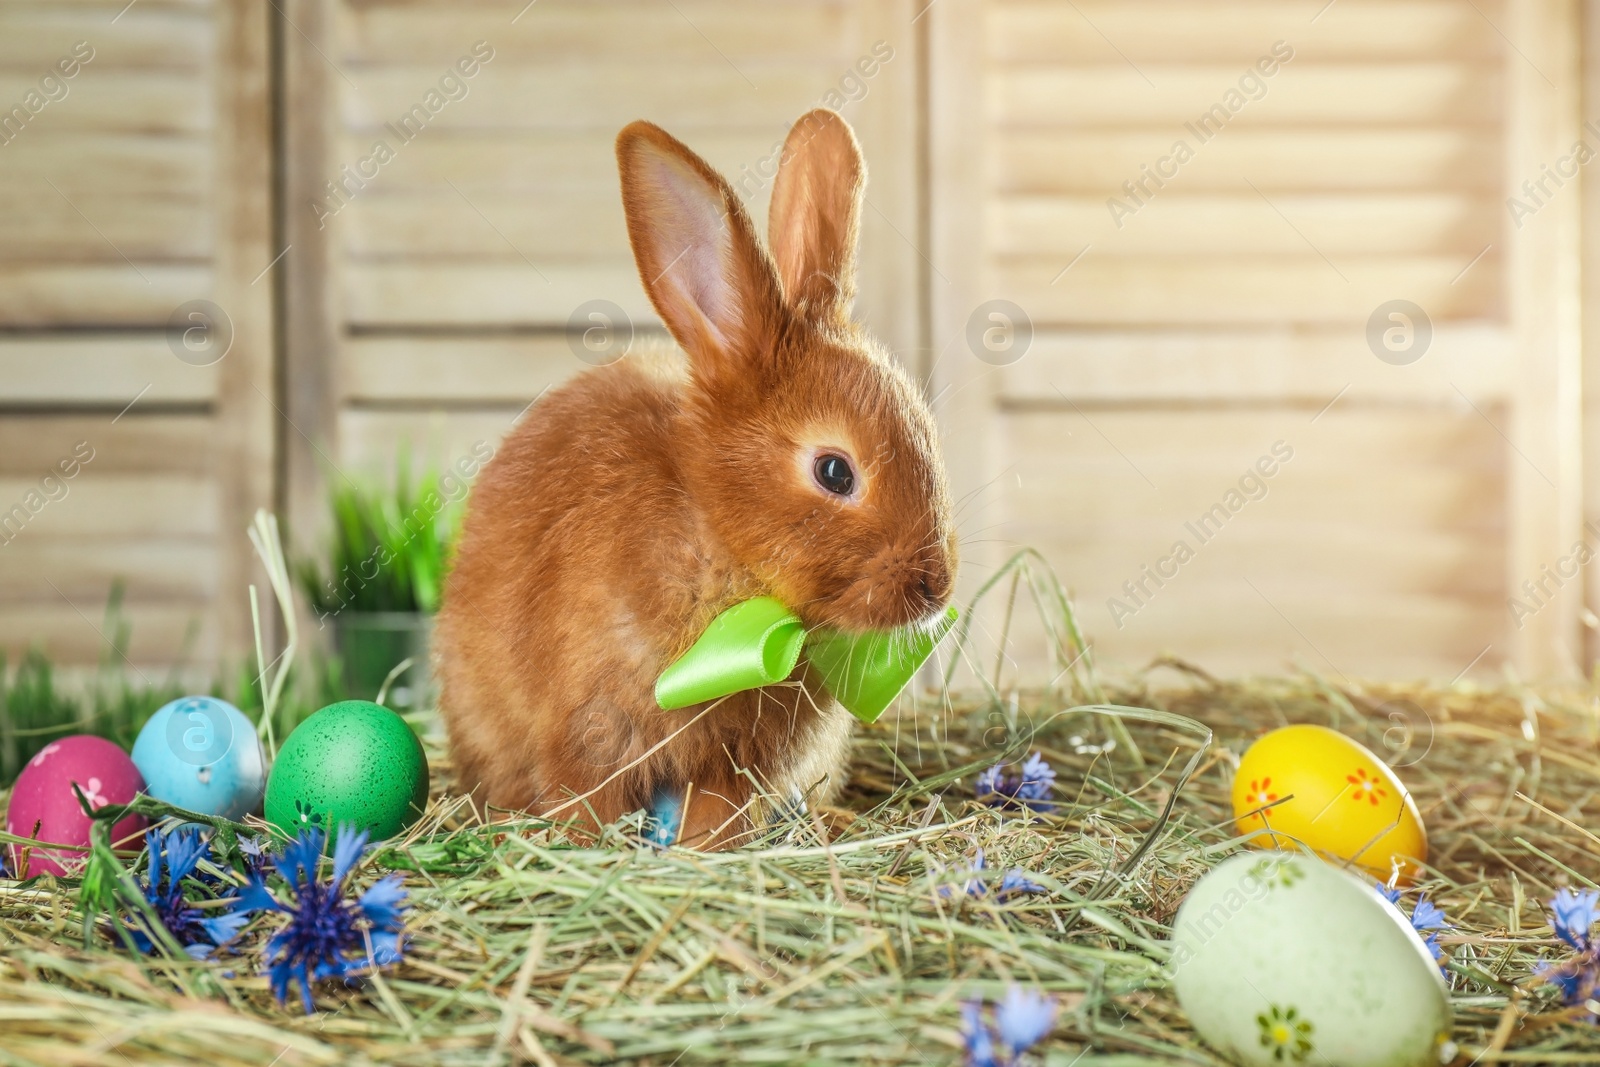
(43, 797)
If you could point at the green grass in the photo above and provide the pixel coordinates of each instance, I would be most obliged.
(390, 546)
(37, 706)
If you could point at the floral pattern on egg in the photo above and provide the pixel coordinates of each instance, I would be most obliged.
(1285, 1034)
(1273, 872)
(1260, 796)
(1365, 786)
(306, 816)
(91, 793)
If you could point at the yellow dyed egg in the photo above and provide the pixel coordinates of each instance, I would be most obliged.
(1311, 787)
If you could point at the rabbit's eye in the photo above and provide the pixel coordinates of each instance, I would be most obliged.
(833, 473)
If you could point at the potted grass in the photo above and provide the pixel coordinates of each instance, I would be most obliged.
(378, 586)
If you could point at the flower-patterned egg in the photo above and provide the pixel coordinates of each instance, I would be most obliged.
(1307, 786)
(203, 755)
(352, 763)
(1287, 959)
(44, 807)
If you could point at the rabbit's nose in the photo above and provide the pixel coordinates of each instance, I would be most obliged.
(934, 586)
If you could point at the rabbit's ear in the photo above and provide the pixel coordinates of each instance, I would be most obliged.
(815, 215)
(697, 252)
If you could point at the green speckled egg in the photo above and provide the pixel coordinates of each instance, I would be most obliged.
(352, 762)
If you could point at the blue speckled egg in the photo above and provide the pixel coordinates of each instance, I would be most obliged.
(202, 754)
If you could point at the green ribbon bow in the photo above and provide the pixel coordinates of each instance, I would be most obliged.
(758, 642)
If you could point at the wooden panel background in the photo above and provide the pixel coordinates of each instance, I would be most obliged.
(143, 187)
(1169, 351)
(1223, 309)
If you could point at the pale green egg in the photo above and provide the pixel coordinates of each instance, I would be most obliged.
(1285, 959)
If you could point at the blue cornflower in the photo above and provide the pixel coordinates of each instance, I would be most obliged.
(974, 886)
(975, 1035)
(256, 856)
(1017, 883)
(1576, 984)
(1573, 916)
(1014, 882)
(163, 888)
(328, 935)
(1424, 916)
(1021, 1020)
(256, 863)
(1030, 788)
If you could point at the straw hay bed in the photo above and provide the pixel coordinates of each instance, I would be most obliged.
(828, 942)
